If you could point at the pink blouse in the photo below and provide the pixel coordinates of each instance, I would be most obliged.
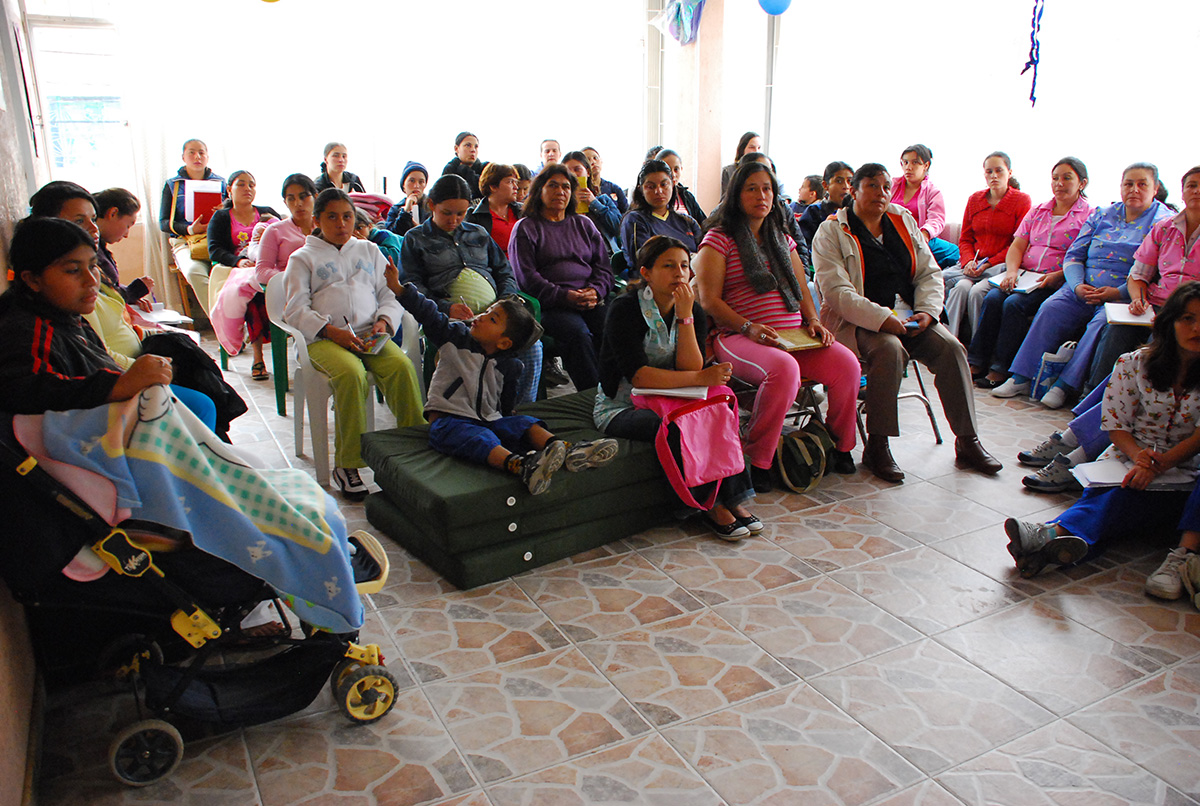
(1048, 241)
(1163, 261)
(278, 242)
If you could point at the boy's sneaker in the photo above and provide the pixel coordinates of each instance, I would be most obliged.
(1191, 578)
(1055, 477)
(1044, 453)
(595, 453)
(538, 466)
(350, 483)
(1036, 545)
(1167, 581)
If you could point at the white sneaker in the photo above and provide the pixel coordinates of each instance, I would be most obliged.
(350, 483)
(1167, 581)
(1055, 398)
(1011, 388)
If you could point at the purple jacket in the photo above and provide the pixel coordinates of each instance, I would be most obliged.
(550, 258)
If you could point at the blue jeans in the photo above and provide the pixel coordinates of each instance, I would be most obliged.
(473, 440)
(1003, 323)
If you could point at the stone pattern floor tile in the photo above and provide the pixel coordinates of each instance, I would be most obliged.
(790, 747)
(1155, 723)
(459, 633)
(817, 625)
(643, 771)
(1072, 688)
(932, 706)
(606, 596)
(926, 589)
(1057, 766)
(518, 718)
(688, 666)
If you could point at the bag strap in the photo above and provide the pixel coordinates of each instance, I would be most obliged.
(667, 459)
(800, 440)
(174, 204)
(696, 405)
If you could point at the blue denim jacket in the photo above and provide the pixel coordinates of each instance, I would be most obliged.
(432, 258)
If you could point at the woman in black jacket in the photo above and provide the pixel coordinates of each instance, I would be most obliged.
(466, 162)
(333, 171)
(685, 202)
(229, 236)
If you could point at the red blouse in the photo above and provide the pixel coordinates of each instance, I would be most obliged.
(987, 231)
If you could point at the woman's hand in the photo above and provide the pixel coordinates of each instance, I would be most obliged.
(583, 299)
(245, 263)
(1082, 290)
(1098, 296)
(344, 338)
(460, 311)
(927, 236)
(716, 375)
(685, 299)
(1139, 478)
(1051, 281)
(1139, 306)
(975, 268)
(147, 370)
(145, 304)
(1009, 281)
(410, 201)
(198, 226)
(392, 275)
(819, 331)
(969, 267)
(763, 334)
(584, 196)
(381, 326)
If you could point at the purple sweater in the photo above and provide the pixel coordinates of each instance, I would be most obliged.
(550, 258)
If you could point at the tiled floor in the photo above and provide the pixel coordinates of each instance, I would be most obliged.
(873, 646)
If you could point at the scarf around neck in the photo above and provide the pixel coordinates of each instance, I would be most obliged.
(770, 272)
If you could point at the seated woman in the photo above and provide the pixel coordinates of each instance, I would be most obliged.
(1150, 410)
(685, 203)
(652, 213)
(920, 196)
(116, 213)
(655, 338)
(524, 181)
(466, 162)
(881, 295)
(789, 220)
(336, 277)
(559, 258)
(1095, 271)
(1039, 247)
(595, 180)
(404, 215)
(228, 241)
(498, 210)
(600, 209)
(748, 143)
(1169, 255)
(457, 266)
(281, 238)
(333, 171)
(836, 181)
(751, 284)
(172, 217)
(51, 361)
(988, 226)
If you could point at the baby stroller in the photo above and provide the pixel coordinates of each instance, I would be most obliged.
(169, 618)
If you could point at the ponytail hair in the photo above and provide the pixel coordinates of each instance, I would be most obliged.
(1012, 180)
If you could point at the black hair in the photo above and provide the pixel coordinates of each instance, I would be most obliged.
(38, 241)
(757, 156)
(868, 171)
(458, 138)
(1076, 165)
(325, 198)
(228, 203)
(833, 169)
(520, 325)
(123, 200)
(576, 156)
(447, 187)
(924, 153)
(654, 248)
(299, 179)
(729, 215)
(744, 141)
(1161, 194)
(362, 218)
(1012, 180)
(1195, 169)
(51, 197)
(523, 172)
(814, 184)
(1163, 359)
(638, 199)
(191, 140)
(534, 205)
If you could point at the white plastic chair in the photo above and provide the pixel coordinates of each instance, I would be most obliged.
(312, 386)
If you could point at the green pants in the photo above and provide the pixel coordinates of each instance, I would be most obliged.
(347, 371)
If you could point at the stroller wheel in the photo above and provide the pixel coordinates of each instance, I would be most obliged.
(366, 694)
(145, 752)
(339, 675)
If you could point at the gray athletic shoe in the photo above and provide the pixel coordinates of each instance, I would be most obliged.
(538, 466)
(1036, 545)
(1053, 478)
(1042, 454)
(1167, 581)
(595, 453)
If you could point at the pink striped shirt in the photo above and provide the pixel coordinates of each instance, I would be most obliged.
(766, 309)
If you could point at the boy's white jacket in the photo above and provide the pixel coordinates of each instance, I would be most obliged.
(327, 285)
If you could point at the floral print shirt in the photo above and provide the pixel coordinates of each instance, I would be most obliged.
(1155, 419)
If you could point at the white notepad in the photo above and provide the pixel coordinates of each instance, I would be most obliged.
(1118, 313)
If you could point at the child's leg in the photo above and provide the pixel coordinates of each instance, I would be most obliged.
(467, 439)
(348, 377)
(397, 379)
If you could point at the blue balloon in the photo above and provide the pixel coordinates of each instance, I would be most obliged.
(775, 7)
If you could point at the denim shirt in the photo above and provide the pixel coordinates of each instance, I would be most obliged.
(1102, 253)
(432, 258)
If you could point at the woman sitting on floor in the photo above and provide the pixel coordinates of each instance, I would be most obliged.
(654, 338)
(1150, 412)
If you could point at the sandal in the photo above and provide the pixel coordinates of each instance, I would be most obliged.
(259, 372)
